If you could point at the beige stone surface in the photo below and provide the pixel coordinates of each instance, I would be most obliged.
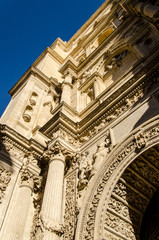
(79, 153)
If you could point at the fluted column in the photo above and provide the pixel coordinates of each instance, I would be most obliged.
(51, 210)
(16, 220)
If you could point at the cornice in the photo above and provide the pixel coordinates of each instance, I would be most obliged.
(53, 53)
(68, 63)
(100, 108)
(97, 53)
(59, 119)
(88, 23)
(97, 30)
(20, 141)
(90, 80)
(59, 41)
(35, 72)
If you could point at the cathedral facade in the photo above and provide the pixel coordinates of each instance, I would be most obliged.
(79, 155)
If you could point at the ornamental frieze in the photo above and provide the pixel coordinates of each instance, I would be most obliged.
(70, 206)
(90, 211)
(110, 116)
(9, 147)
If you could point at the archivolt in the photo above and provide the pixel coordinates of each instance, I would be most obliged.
(101, 189)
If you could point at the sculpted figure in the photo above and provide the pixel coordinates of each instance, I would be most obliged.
(50, 102)
(103, 149)
(51, 98)
(86, 75)
(85, 167)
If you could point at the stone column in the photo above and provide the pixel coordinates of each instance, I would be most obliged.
(15, 222)
(67, 88)
(51, 211)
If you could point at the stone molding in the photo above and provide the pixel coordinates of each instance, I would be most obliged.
(122, 155)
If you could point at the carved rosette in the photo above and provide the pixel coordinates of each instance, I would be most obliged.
(5, 177)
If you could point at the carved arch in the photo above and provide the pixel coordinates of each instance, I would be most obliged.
(112, 58)
(100, 188)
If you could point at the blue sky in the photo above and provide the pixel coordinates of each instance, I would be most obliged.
(28, 27)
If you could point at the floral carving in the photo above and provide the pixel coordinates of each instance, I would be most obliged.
(70, 207)
(140, 140)
(146, 171)
(5, 177)
(12, 150)
(51, 226)
(123, 107)
(120, 189)
(120, 226)
(133, 198)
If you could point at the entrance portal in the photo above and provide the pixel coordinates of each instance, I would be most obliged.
(150, 223)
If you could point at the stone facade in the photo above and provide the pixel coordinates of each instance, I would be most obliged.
(79, 155)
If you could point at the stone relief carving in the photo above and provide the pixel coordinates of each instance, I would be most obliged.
(85, 167)
(120, 226)
(86, 75)
(37, 230)
(56, 149)
(52, 99)
(51, 226)
(27, 113)
(27, 177)
(140, 140)
(103, 149)
(148, 10)
(12, 150)
(123, 107)
(116, 61)
(70, 207)
(146, 171)
(33, 99)
(91, 210)
(135, 184)
(5, 177)
(67, 137)
(60, 151)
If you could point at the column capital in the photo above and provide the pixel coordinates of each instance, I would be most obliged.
(69, 72)
(59, 152)
(28, 178)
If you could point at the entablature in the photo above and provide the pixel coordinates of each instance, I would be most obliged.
(109, 106)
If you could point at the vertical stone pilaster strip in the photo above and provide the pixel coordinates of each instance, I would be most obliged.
(16, 220)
